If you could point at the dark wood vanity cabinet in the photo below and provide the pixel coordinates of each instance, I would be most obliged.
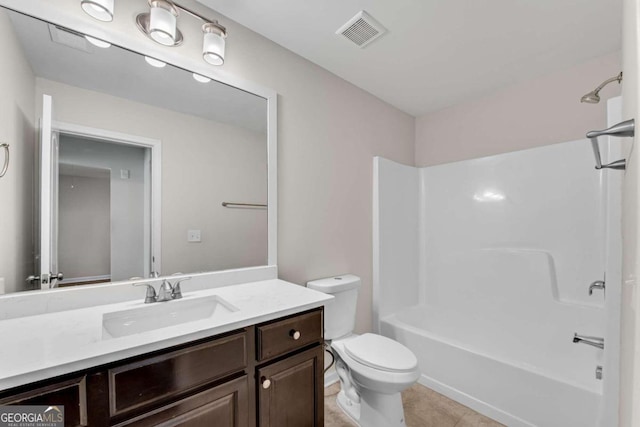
(269, 374)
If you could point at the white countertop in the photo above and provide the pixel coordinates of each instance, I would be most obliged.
(43, 346)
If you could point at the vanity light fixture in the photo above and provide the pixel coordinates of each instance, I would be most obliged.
(200, 78)
(102, 10)
(161, 25)
(154, 62)
(97, 42)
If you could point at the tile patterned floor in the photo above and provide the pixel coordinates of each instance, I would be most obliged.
(423, 407)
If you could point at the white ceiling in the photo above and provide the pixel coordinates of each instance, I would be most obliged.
(438, 52)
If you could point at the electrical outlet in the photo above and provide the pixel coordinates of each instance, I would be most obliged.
(193, 236)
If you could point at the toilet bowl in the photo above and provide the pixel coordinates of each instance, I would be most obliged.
(373, 370)
(378, 369)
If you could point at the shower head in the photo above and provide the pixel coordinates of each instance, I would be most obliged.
(593, 97)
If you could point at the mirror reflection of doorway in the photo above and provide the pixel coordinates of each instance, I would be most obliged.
(103, 210)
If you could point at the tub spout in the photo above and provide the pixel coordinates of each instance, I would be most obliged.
(592, 341)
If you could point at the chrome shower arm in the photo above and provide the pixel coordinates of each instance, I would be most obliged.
(617, 78)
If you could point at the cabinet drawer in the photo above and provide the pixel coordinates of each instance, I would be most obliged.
(225, 405)
(283, 336)
(148, 381)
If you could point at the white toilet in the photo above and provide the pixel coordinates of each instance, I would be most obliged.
(373, 369)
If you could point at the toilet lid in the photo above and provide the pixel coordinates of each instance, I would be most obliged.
(381, 352)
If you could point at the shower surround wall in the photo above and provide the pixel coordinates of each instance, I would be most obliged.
(482, 268)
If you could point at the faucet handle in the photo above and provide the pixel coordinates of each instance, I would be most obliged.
(176, 293)
(151, 293)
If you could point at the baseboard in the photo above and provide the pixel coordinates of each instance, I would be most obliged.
(473, 403)
(330, 377)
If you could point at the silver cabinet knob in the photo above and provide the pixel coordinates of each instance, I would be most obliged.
(295, 334)
(265, 383)
(57, 276)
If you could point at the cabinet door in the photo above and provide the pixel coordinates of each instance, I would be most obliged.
(290, 392)
(72, 394)
(225, 405)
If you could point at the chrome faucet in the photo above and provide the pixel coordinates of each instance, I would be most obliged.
(167, 291)
(592, 341)
(598, 284)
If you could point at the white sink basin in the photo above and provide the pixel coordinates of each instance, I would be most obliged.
(164, 314)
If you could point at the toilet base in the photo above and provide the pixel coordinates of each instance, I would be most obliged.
(374, 409)
(349, 407)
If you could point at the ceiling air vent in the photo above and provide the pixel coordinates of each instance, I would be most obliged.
(362, 29)
(69, 38)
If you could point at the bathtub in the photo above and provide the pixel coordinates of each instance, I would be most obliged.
(519, 373)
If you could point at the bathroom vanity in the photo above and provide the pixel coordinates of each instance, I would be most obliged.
(268, 372)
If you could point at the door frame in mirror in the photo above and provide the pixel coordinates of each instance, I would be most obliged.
(154, 230)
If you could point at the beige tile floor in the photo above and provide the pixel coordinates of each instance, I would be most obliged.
(423, 407)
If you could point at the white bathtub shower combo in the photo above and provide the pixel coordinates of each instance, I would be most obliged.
(483, 267)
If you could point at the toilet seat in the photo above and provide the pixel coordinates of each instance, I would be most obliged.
(384, 381)
(378, 352)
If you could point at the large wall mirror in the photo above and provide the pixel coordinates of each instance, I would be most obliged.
(122, 166)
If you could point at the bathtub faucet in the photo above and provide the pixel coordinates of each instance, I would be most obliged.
(593, 341)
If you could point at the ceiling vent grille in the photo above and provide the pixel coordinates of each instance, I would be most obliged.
(362, 29)
(69, 38)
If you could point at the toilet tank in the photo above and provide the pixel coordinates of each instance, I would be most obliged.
(340, 313)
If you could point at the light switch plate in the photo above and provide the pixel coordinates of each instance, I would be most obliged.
(193, 236)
